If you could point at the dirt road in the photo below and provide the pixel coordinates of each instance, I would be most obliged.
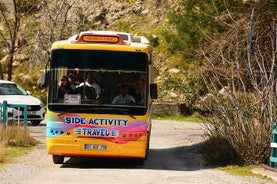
(172, 160)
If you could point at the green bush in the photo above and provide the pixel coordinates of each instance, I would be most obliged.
(217, 151)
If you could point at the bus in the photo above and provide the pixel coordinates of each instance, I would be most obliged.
(100, 93)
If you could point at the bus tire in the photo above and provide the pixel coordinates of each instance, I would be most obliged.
(57, 159)
(139, 161)
(146, 154)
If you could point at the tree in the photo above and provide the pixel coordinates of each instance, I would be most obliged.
(240, 73)
(11, 13)
(193, 21)
(61, 19)
(190, 24)
(51, 23)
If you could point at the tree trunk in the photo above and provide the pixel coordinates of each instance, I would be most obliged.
(1, 72)
(10, 65)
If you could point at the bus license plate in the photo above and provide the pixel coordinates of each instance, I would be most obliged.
(95, 147)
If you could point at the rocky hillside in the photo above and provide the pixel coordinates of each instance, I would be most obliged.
(61, 19)
(143, 17)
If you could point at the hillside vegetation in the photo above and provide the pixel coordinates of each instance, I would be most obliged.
(217, 57)
(43, 22)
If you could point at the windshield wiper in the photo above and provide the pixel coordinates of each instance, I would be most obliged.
(116, 109)
(126, 113)
(96, 108)
(77, 110)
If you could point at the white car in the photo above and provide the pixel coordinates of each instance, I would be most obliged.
(12, 93)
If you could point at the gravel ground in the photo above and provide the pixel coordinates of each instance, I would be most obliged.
(172, 159)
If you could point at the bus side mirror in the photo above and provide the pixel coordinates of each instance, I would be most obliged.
(44, 78)
(153, 91)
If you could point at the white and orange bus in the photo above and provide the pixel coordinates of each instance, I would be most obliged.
(100, 94)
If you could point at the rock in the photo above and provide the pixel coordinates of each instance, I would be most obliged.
(174, 70)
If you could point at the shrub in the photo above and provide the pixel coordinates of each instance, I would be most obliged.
(242, 88)
(15, 136)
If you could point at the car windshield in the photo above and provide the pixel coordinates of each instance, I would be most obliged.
(11, 89)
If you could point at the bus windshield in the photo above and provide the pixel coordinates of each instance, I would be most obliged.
(90, 81)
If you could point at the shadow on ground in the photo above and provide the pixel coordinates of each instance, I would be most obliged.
(178, 158)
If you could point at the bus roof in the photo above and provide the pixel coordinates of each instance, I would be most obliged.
(103, 39)
(128, 38)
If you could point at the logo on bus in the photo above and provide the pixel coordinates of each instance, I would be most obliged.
(96, 132)
(96, 121)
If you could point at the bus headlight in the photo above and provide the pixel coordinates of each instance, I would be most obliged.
(130, 136)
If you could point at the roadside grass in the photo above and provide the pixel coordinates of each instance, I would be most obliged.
(195, 117)
(13, 152)
(14, 142)
(239, 170)
(244, 170)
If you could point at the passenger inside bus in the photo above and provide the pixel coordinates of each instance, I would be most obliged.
(89, 89)
(64, 87)
(124, 98)
(124, 80)
(140, 94)
(72, 81)
(77, 76)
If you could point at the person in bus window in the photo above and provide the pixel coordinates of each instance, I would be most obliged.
(124, 98)
(72, 81)
(64, 87)
(78, 78)
(140, 94)
(124, 80)
(91, 82)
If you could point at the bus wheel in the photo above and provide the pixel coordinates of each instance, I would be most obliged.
(139, 161)
(58, 159)
(146, 154)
